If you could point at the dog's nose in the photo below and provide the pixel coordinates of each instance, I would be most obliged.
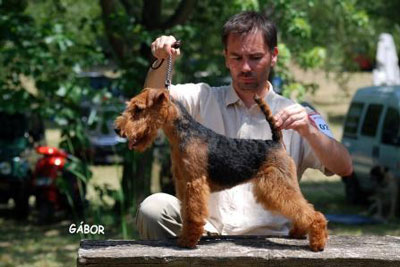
(117, 131)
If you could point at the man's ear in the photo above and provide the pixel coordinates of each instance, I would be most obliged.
(274, 57)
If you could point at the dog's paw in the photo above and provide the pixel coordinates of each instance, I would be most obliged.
(318, 246)
(318, 241)
(187, 242)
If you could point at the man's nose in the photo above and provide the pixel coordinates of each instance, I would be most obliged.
(245, 67)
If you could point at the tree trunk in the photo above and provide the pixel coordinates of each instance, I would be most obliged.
(136, 177)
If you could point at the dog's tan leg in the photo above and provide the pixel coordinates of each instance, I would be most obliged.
(178, 181)
(297, 232)
(194, 212)
(275, 192)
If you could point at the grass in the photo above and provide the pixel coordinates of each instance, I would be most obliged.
(27, 244)
(327, 195)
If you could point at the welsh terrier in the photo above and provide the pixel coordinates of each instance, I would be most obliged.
(204, 162)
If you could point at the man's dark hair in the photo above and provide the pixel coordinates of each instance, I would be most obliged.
(249, 21)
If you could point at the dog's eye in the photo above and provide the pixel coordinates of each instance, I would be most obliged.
(138, 110)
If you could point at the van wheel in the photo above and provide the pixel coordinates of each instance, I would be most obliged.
(353, 192)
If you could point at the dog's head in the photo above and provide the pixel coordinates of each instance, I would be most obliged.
(143, 116)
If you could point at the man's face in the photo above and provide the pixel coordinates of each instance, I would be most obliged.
(249, 61)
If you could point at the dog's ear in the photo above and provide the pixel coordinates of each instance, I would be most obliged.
(135, 105)
(156, 96)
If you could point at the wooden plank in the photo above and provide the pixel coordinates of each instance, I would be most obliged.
(243, 251)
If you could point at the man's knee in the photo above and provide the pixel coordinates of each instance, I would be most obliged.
(153, 206)
(158, 216)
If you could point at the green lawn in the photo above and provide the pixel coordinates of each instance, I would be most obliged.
(327, 195)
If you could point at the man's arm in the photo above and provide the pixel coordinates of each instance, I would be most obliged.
(332, 154)
(161, 48)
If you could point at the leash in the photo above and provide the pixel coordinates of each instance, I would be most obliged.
(168, 76)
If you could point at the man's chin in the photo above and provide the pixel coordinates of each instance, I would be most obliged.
(248, 86)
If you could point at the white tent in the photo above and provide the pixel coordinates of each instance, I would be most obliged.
(387, 70)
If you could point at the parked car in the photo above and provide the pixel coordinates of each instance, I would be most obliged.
(19, 133)
(105, 145)
(372, 136)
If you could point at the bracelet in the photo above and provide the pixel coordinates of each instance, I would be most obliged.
(158, 66)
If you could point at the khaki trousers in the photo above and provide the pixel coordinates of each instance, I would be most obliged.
(159, 217)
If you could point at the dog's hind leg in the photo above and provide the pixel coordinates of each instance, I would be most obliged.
(276, 192)
(194, 211)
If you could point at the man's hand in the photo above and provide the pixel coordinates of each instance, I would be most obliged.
(333, 155)
(294, 117)
(161, 48)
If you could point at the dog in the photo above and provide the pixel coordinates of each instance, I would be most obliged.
(204, 162)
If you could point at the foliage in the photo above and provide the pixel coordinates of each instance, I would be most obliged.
(50, 56)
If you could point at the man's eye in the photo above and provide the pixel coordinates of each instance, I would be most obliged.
(256, 57)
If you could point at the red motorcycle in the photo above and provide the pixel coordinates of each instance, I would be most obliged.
(56, 184)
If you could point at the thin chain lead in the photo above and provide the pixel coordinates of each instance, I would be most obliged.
(169, 72)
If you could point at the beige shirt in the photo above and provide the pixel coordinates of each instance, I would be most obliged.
(234, 211)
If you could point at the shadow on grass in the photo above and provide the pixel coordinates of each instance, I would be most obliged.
(25, 243)
(329, 198)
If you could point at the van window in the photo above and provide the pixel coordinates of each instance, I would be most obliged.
(371, 120)
(353, 118)
(391, 125)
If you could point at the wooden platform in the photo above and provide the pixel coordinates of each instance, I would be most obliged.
(243, 251)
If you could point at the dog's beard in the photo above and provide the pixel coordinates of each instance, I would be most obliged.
(141, 142)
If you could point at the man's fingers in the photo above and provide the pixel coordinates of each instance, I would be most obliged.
(286, 117)
(296, 119)
(175, 52)
(161, 48)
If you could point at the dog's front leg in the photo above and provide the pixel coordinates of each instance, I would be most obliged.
(194, 212)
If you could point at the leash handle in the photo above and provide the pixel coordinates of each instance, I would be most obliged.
(168, 77)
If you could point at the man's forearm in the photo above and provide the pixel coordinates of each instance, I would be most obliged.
(156, 77)
(332, 154)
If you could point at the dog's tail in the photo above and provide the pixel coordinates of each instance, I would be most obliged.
(276, 133)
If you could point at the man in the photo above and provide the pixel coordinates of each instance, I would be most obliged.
(250, 50)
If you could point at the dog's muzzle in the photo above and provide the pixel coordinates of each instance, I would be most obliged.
(118, 132)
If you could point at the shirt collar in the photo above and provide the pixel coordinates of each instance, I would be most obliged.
(231, 97)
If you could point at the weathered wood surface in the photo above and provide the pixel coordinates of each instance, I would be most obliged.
(243, 251)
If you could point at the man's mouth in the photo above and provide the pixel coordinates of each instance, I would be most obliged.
(247, 78)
